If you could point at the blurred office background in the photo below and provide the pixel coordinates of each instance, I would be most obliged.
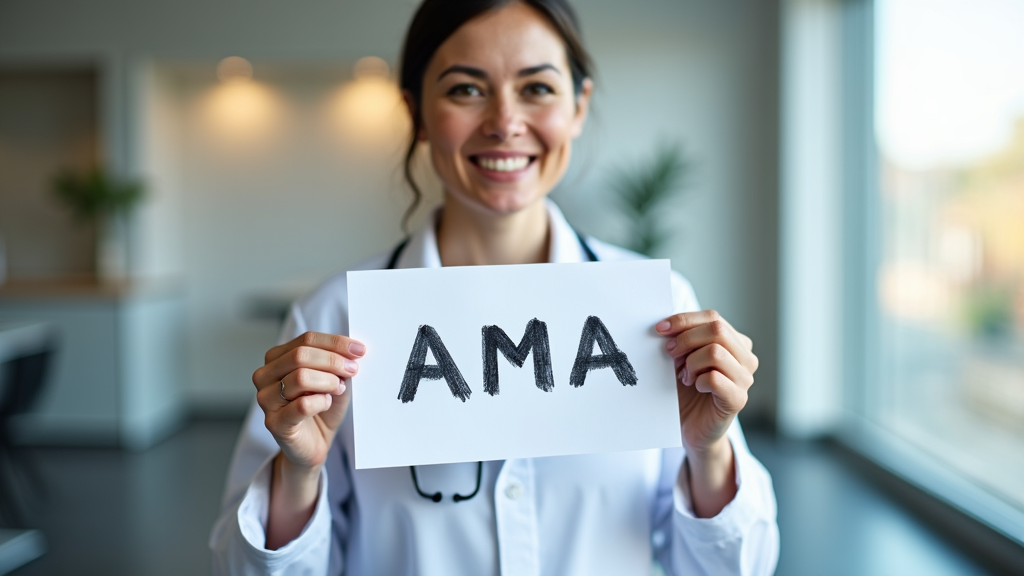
(853, 201)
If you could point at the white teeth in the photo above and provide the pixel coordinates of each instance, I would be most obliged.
(504, 164)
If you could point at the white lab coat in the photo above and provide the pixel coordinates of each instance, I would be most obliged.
(579, 515)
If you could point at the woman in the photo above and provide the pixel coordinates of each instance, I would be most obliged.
(499, 89)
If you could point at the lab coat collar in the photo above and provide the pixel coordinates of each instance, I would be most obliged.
(422, 251)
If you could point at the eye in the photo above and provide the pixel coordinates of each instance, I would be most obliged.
(538, 89)
(464, 90)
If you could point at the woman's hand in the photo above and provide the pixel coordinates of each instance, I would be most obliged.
(301, 389)
(305, 413)
(715, 367)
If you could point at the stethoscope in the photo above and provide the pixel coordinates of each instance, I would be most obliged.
(436, 496)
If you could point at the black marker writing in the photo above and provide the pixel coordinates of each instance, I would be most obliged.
(595, 331)
(417, 369)
(535, 338)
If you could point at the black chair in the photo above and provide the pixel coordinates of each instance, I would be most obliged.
(22, 378)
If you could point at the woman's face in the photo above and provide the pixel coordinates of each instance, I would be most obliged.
(499, 110)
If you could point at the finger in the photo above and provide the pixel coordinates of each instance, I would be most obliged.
(301, 382)
(271, 399)
(716, 357)
(728, 397)
(294, 412)
(681, 322)
(303, 357)
(333, 416)
(674, 325)
(330, 342)
(714, 332)
(306, 381)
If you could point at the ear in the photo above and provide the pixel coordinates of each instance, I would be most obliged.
(410, 105)
(582, 107)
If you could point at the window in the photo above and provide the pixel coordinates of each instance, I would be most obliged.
(949, 212)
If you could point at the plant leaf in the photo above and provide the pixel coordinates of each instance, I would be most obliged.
(642, 192)
(93, 194)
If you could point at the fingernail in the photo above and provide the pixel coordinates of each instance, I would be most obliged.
(356, 348)
(663, 326)
(671, 345)
(684, 376)
(341, 389)
(351, 366)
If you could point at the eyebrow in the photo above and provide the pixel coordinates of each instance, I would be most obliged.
(539, 68)
(478, 73)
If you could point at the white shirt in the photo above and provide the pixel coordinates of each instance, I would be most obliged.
(617, 514)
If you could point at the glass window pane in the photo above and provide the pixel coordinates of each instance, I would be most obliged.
(950, 131)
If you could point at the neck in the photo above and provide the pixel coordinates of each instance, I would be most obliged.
(466, 237)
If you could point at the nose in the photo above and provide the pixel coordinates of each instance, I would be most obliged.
(504, 119)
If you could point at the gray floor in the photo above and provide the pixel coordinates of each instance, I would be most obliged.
(834, 522)
(115, 513)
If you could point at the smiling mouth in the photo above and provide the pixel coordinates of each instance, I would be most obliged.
(510, 164)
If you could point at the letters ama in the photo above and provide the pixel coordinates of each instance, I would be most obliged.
(535, 339)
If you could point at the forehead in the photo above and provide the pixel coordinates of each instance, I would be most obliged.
(514, 37)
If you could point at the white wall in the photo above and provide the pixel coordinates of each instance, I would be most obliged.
(704, 73)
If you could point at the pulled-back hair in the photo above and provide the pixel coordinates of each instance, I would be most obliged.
(436, 20)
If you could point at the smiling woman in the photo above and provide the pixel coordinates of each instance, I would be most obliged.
(500, 118)
(498, 90)
(503, 126)
(550, 73)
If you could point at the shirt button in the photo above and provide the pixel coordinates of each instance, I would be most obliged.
(514, 491)
(658, 538)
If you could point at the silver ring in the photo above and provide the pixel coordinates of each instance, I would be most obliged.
(282, 392)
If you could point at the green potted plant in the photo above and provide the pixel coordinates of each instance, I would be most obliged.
(643, 193)
(95, 197)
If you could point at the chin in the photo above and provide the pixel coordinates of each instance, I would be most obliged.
(507, 204)
(500, 202)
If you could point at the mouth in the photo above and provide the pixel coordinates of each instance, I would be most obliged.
(503, 164)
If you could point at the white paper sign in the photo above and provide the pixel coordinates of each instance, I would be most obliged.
(614, 391)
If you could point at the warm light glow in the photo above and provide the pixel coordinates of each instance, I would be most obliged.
(234, 68)
(241, 109)
(370, 66)
(368, 111)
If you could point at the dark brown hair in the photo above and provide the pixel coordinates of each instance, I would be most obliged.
(436, 20)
